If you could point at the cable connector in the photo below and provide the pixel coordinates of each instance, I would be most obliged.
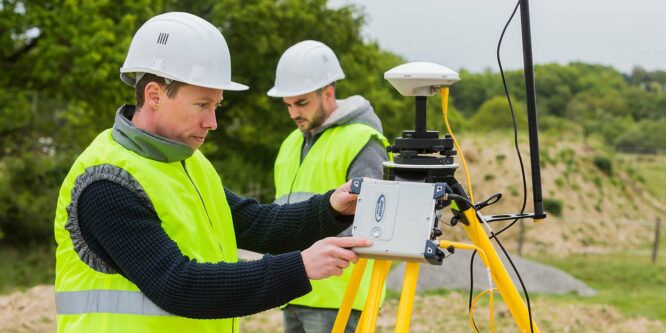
(493, 199)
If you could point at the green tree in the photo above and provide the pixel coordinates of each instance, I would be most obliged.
(59, 62)
(474, 89)
(495, 114)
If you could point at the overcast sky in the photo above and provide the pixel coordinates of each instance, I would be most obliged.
(464, 33)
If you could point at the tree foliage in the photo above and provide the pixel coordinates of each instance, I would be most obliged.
(578, 98)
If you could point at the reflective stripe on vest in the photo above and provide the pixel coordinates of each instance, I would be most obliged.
(108, 301)
(189, 200)
(324, 168)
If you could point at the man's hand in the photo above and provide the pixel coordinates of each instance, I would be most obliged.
(330, 256)
(342, 201)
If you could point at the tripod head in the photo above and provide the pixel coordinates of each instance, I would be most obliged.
(421, 155)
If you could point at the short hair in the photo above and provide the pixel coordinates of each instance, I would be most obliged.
(321, 90)
(171, 87)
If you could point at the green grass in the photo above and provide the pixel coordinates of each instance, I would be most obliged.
(630, 283)
(655, 174)
(652, 168)
(22, 269)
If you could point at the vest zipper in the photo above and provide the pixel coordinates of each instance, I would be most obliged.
(197, 190)
(300, 162)
(291, 187)
(200, 198)
(207, 215)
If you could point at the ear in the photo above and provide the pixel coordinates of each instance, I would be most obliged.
(152, 94)
(329, 91)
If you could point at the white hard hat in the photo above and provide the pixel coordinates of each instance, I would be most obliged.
(181, 47)
(305, 67)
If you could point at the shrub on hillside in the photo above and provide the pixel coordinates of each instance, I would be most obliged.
(559, 126)
(553, 206)
(495, 114)
(646, 136)
(604, 164)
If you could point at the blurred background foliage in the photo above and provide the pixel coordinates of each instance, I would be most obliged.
(59, 86)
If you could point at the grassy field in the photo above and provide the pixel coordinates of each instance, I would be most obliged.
(630, 283)
(652, 171)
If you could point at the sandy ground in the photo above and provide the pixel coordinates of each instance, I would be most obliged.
(29, 311)
(34, 311)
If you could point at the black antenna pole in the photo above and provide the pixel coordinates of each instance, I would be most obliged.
(420, 128)
(530, 94)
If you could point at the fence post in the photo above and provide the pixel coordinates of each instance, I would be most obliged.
(655, 247)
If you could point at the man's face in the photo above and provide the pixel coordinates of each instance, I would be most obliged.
(307, 111)
(188, 116)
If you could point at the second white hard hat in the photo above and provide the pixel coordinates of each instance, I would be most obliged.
(182, 47)
(305, 67)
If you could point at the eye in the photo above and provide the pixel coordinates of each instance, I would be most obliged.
(202, 105)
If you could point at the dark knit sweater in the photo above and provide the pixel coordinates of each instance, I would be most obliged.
(128, 237)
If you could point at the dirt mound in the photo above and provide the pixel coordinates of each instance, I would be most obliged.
(30, 311)
(597, 210)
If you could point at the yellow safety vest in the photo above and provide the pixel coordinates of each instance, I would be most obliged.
(323, 168)
(190, 202)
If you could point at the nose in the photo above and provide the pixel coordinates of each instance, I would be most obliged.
(210, 120)
(293, 112)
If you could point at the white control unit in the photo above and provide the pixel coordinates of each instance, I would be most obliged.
(399, 218)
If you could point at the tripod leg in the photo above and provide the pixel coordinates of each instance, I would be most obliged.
(350, 295)
(368, 320)
(506, 287)
(407, 297)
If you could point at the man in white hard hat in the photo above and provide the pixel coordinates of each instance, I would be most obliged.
(335, 141)
(147, 235)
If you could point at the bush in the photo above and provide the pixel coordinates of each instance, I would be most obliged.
(646, 136)
(567, 156)
(495, 114)
(604, 164)
(29, 186)
(553, 206)
(559, 181)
